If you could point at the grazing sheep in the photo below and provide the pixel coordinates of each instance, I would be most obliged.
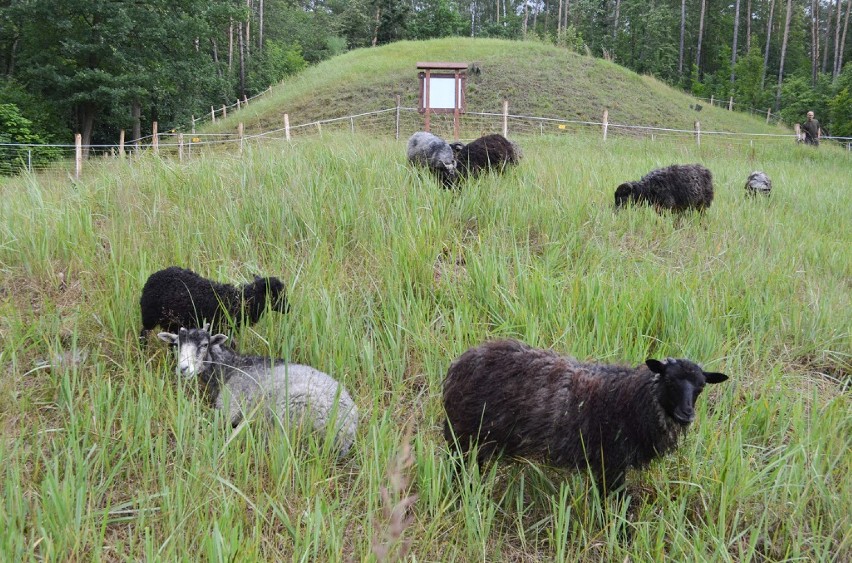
(293, 392)
(758, 183)
(677, 187)
(176, 297)
(433, 152)
(510, 398)
(491, 152)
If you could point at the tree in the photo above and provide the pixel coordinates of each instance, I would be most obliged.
(682, 34)
(700, 35)
(768, 41)
(783, 52)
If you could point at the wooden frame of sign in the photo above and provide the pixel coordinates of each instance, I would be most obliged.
(442, 90)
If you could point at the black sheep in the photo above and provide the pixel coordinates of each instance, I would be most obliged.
(491, 152)
(176, 297)
(509, 398)
(677, 187)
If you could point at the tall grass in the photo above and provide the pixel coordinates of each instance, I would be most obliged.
(390, 278)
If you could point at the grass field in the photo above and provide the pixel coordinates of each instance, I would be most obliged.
(109, 458)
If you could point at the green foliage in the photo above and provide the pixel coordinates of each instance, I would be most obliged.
(748, 74)
(273, 64)
(16, 129)
(799, 97)
(435, 18)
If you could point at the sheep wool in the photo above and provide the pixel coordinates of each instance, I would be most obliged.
(506, 397)
(677, 188)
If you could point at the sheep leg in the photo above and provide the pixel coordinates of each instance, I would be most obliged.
(143, 337)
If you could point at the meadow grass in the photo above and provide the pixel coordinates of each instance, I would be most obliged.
(109, 458)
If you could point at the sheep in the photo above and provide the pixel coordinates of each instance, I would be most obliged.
(433, 152)
(758, 183)
(677, 188)
(520, 401)
(176, 297)
(240, 383)
(491, 152)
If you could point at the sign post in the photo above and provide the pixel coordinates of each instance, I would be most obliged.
(442, 90)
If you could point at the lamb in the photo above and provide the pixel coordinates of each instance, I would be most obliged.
(491, 152)
(758, 183)
(677, 188)
(176, 297)
(295, 393)
(433, 152)
(513, 399)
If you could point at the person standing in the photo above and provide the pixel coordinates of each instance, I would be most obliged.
(811, 130)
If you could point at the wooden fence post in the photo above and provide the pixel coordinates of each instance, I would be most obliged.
(397, 117)
(78, 155)
(319, 128)
(240, 134)
(768, 115)
(505, 118)
(213, 114)
(797, 128)
(180, 146)
(286, 126)
(352, 125)
(238, 103)
(711, 100)
(605, 123)
(731, 104)
(155, 138)
(193, 125)
(224, 111)
(121, 143)
(698, 133)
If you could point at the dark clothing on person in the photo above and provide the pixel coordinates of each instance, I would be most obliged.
(811, 130)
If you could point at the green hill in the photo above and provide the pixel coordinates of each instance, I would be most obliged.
(538, 80)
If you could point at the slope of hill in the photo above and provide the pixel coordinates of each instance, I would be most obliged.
(538, 80)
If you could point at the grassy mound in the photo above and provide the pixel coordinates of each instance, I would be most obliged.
(538, 79)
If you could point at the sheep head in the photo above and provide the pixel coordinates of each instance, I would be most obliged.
(623, 194)
(193, 349)
(680, 382)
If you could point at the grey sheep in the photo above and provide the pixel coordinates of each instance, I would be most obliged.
(176, 297)
(295, 393)
(433, 152)
(758, 183)
(677, 188)
(507, 397)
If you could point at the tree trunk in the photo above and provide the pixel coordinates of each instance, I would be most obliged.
(378, 23)
(615, 22)
(682, 33)
(559, 20)
(247, 38)
(835, 70)
(843, 39)
(700, 35)
(86, 122)
(565, 15)
(827, 36)
(768, 37)
(230, 47)
(472, 18)
(10, 65)
(216, 56)
(136, 115)
(241, 36)
(535, 19)
(260, 27)
(526, 18)
(814, 41)
(748, 27)
(734, 42)
(783, 53)
(497, 14)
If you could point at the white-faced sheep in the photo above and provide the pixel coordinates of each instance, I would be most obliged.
(293, 393)
(433, 152)
(509, 398)
(491, 152)
(758, 183)
(176, 297)
(676, 188)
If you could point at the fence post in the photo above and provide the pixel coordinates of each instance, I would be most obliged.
(731, 104)
(213, 114)
(240, 134)
(352, 125)
(711, 100)
(605, 123)
(180, 146)
(397, 117)
(698, 132)
(30, 160)
(238, 103)
(798, 130)
(121, 143)
(286, 126)
(224, 111)
(78, 155)
(155, 139)
(768, 115)
(245, 99)
(193, 125)
(505, 118)
(319, 128)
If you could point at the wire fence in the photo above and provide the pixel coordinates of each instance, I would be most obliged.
(395, 121)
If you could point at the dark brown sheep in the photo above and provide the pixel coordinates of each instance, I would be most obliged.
(491, 152)
(509, 398)
(677, 188)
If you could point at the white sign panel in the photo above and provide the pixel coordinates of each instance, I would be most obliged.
(442, 93)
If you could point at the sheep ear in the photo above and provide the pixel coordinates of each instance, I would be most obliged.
(168, 337)
(218, 339)
(655, 365)
(715, 377)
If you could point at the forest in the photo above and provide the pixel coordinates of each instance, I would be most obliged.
(97, 66)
